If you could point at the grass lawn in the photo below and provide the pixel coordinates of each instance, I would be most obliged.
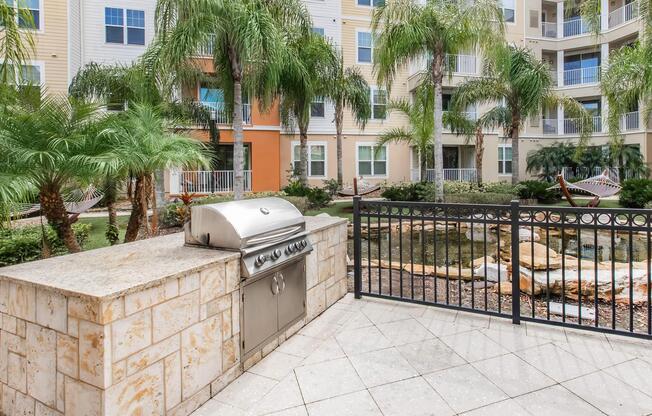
(96, 238)
(337, 209)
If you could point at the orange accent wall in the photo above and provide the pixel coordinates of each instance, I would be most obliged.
(265, 156)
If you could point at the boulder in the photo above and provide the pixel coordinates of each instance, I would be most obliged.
(481, 261)
(492, 272)
(527, 234)
(538, 257)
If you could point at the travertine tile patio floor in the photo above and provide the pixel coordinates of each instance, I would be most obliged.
(375, 357)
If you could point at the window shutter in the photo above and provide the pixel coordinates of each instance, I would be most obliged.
(534, 19)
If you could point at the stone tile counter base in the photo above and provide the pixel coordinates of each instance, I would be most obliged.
(161, 343)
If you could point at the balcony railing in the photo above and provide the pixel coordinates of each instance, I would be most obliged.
(550, 125)
(581, 76)
(221, 116)
(210, 182)
(623, 14)
(630, 121)
(462, 64)
(573, 126)
(549, 29)
(575, 26)
(455, 174)
(207, 48)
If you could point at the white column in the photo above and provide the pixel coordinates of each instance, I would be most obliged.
(560, 19)
(560, 68)
(604, 62)
(604, 14)
(604, 113)
(560, 119)
(175, 181)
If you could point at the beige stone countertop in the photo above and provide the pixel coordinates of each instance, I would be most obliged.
(314, 224)
(125, 268)
(114, 271)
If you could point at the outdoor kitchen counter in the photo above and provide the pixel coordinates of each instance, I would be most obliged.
(151, 327)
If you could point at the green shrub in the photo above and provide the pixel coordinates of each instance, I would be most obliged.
(331, 186)
(296, 188)
(403, 192)
(451, 188)
(636, 193)
(480, 198)
(26, 244)
(538, 190)
(499, 188)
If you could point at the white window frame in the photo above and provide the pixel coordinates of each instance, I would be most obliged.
(41, 68)
(502, 162)
(321, 31)
(125, 27)
(41, 20)
(373, 156)
(367, 6)
(503, 8)
(310, 144)
(357, 46)
(373, 89)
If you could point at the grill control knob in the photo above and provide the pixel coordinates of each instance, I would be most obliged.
(304, 244)
(297, 246)
(276, 254)
(260, 260)
(289, 249)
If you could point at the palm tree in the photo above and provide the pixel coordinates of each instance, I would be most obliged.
(421, 125)
(548, 161)
(515, 77)
(408, 30)
(346, 87)
(474, 130)
(247, 39)
(145, 142)
(16, 44)
(52, 146)
(309, 59)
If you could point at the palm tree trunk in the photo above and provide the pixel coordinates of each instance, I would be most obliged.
(339, 118)
(55, 211)
(479, 154)
(138, 205)
(515, 127)
(423, 160)
(110, 196)
(438, 78)
(154, 207)
(238, 134)
(303, 147)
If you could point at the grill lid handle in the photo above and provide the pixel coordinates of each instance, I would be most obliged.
(275, 236)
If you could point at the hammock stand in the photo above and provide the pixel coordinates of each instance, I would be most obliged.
(599, 186)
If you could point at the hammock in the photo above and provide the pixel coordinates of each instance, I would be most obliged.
(76, 202)
(363, 186)
(599, 186)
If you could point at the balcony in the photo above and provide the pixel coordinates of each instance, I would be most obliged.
(210, 182)
(623, 14)
(221, 116)
(462, 64)
(573, 125)
(630, 121)
(550, 125)
(207, 49)
(549, 29)
(575, 26)
(581, 76)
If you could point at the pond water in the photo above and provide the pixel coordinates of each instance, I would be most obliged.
(441, 247)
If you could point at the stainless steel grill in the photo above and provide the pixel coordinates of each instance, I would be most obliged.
(270, 234)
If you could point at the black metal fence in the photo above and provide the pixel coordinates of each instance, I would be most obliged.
(586, 268)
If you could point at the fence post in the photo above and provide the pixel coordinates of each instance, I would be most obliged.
(516, 272)
(357, 248)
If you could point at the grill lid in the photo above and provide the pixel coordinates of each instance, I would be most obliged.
(241, 224)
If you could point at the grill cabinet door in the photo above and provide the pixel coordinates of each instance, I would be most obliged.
(292, 298)
(260, 311)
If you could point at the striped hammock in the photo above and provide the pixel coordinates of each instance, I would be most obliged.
(76, 202)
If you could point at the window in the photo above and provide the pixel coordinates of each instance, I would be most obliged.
(319, 30)
(135, 27)
(316, 158)
(369, 3)
(29, 16)
(365, 47)
(504, 159)
(372, 160)
(317, 107)
(378, 104)
(114, 22)
(508, 7)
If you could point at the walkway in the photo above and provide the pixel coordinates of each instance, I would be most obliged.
(373, 357)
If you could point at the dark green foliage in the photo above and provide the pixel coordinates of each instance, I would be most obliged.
(26, 244)
(331, 186)
(480, 198)
(538, 190)
(317, 197)
(404, 192)
(459, 192)
(112, 233)
(636, 193)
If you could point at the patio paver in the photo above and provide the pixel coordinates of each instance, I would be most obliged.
(376, 357)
